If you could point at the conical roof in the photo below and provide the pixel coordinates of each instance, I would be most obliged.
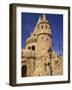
(42, 20)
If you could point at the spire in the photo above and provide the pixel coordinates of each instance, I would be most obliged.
(42, 20)
(44, 17)
(39, 20)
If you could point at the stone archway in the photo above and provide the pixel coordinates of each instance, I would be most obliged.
(24, 71)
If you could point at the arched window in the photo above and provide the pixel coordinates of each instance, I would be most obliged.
(33, 47)
(49, 64)
(42, 27)
(24, 71)
(46, 26)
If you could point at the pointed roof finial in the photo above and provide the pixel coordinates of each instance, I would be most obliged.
(44, 17)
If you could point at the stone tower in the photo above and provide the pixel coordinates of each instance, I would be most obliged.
(38, 57)
(44, 35)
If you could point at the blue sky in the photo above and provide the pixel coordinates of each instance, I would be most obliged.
(29, 21)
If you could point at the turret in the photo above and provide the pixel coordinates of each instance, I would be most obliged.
(44, 35)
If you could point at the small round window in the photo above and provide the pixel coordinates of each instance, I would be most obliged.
(28, 47)
(34, 34)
